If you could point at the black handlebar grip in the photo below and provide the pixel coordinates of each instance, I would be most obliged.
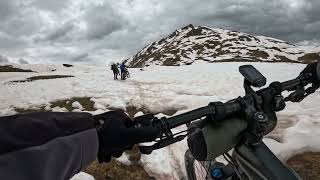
(232, 107)
(292, 85)
(190, 116)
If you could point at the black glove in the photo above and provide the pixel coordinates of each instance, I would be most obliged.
(117, 133)
(314, 70)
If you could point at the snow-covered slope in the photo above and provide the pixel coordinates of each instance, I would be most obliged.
(190, 44)
(163, 88)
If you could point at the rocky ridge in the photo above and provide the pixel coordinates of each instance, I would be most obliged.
(191, 44)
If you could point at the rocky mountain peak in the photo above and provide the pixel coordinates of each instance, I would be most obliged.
(201, 43)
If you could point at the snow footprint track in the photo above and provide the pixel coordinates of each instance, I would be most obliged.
(152, 97)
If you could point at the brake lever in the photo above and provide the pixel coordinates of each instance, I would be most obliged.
(167, 141)
(162, 143)
(297, 96)
(166, 137)
(312, 89)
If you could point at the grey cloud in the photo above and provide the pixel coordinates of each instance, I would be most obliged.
(117, 29)
(102, 20)
(8, 43)
(50, 5)
(7, 9)
(23, 61)
(3, 59)
(59, 32)
(310, 10)
(64, 55)
(18, 19)
(81, 57)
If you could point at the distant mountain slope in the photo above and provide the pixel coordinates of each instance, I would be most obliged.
(189, 44)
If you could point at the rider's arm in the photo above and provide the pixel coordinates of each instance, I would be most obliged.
(55, 146)
(50, 146)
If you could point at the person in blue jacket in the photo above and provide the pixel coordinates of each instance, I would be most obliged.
(122, 70)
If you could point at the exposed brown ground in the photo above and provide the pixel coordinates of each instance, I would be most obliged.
(9, 68)
(307, 165)
(35, 78)
(66, 103)
(117, 171)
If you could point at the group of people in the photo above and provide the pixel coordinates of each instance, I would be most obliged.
(123, 71)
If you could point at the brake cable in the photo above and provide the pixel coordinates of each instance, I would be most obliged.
(232, 163)
(167, 140)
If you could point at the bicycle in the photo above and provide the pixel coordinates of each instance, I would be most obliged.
(246, 120)
(126, 73)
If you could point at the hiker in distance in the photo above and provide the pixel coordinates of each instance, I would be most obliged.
(123, 69)
(115, 70)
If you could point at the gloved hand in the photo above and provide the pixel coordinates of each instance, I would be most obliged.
(117, 134)
(314, 69)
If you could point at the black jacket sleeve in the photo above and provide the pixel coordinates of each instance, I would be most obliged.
(46, 146)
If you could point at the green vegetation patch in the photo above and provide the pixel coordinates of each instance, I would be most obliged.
(285, 59)
(30, 110)
(9, 68)
(309, 57)
(86, 103)
(259, 54)
(35, 78)
(171, 61)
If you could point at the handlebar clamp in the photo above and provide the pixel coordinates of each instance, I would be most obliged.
(220, 111)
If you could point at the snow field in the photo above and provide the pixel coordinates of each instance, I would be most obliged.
(159, 89)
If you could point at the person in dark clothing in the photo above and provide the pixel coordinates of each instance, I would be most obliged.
(56, 146)
(122, 70)
(115, 70)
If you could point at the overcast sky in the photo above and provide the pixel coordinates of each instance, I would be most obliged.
(98, 31)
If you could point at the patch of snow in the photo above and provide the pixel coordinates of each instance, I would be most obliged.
(76, 110)
(47, 108)
(77, 105)
(140, 113)
(99, 106)
(82, 176)
(124, 159)
(59, 109)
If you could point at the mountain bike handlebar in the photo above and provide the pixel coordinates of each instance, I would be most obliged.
(255, 104)
(228, 108)
(241, 124)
